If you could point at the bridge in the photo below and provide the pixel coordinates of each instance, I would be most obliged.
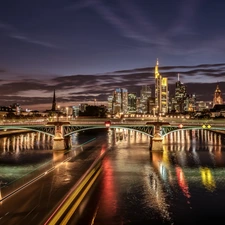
(61, 131)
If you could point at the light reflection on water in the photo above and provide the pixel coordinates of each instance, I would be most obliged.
(26, 153)
(25, 141)
(194, 170)
(172, 185)
(183, 184)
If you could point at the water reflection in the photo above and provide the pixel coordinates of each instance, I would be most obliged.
(155, 194)
(178, 181)
(179, 185)
(208, 179)
(182, 182)
(190, 167)
(25, 141)
(200, 162)
(192, 139)
(26, 155)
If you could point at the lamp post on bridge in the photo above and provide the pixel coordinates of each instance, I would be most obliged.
(58, 111)
(67, 113)
(154, 112)
(158, 113)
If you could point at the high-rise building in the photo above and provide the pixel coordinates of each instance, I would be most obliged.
(132, 102)
(182, 101)
(190, 103)
(178, 102)
(120, 101)
(145, 94)
(110, 104)
(151, 105)
(161, 91)
(138, 105)
(217, 100)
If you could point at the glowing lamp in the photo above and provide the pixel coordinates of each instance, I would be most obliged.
(206, 126)
(107, 123)
(180, 126)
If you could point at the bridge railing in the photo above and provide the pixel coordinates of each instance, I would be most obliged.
(172, 122)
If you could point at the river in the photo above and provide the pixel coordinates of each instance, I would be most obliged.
(183, 184)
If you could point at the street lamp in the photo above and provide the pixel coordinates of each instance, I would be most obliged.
(58, 113)
(154, 112)
(157, 113)
(67, 113)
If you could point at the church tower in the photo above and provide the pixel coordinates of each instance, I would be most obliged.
(217, 100)
(54, 102)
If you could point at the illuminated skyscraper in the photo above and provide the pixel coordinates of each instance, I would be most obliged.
(178, 102)
(161, 91)
(132, 102)
(182, 101)
(120, 101)
(217, 100)
(110, 104)
(145, 94)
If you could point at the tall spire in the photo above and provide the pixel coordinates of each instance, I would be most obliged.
(178, 76)
(54, 102)
(156, 68)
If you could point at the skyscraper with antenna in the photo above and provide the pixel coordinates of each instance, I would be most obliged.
(161, 91)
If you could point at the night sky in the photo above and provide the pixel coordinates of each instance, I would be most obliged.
(84, 49)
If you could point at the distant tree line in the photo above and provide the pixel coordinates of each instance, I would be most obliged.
(94, 111)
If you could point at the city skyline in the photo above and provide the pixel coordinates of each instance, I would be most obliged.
(132, 80)
(85, 49)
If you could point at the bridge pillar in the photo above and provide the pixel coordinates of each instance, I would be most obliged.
(157, 141)
(58, 141)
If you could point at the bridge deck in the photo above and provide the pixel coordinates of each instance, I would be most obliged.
(69, 128)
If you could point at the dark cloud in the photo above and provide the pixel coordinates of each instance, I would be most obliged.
(200, 80)
(16, 87)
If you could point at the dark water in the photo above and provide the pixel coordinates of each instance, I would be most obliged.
(29, 153)
(183, 184)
